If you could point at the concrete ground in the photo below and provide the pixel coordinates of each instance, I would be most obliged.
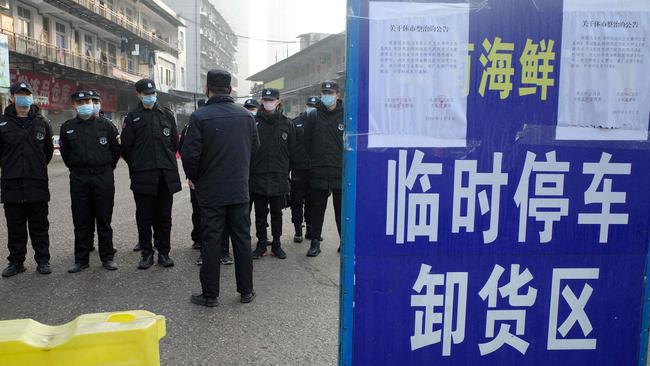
(293, 320)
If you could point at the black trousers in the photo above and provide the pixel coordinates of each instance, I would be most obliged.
(196, 224)
(155, 212)
(300, 203)
(92, 197)
(319, 205)
(22, 217)
(262, 206)
(213, 222)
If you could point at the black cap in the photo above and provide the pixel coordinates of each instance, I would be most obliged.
(94, 94)
(146, 86)
(329, 85)
(270, 93)
(81, 95)
(20, 85)
(313, 101)
(251, 103)
(219, 78)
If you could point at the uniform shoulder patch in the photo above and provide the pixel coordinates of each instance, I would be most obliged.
(2, 124)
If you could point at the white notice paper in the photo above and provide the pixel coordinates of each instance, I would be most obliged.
(418, 74)
(605, 75)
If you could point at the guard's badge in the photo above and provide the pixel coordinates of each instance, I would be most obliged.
(69, 131)
(166, 132)
(3, 124)
(284, 136)
(40, 136)
(341, 127)
(136, 119)
(103, 140)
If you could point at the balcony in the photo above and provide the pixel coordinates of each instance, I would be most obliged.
(114, 22)
(51, 53)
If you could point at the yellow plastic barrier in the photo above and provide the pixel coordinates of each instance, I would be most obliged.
(124, 338)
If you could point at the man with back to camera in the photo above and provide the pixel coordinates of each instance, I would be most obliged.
(195, 235)
(149, 146)
(219, 143)
(324, 143)
(26, 148)
(90, 150)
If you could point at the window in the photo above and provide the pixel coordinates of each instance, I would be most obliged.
(130, 63)
(129, 14)
(60, 36)
(45, 36)
(168, 77)
(88, 46)
(181, 40)
(24, 22)
(182, 77)
(112, 54)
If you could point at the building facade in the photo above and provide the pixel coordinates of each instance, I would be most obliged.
(62, 45)
(321, 57)
(211, 42)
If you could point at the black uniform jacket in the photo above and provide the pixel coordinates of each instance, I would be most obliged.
(26, 147)
(89, 144)
(149, 147)
(324, 144)
(271, 163)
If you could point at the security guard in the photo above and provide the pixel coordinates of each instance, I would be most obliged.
(324, 143)
(90, 149)
(270, 171)
(97, 105)
(149, 145)
(26, 148)
(216, 159)
(300, 175)
(252, 105)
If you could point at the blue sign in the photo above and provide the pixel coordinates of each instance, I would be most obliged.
(497, 203)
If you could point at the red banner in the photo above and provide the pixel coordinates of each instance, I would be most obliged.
(54, 94)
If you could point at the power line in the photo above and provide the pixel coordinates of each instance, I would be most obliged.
(245, 37)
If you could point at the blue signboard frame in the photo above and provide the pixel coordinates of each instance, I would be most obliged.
(356, 104)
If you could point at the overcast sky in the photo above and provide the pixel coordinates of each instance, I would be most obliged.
(276, 20)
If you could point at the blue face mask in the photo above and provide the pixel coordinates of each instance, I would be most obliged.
(149, 100)
(253, 113)
(24, 101)
(85, 110)
(309, 109)
(96, 108)
(328, 99)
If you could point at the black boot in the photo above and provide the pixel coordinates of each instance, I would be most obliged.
(276, 249)
(314, 249)
(147, 260)
(298, 237)
(260, 251)
(165, 261)
(13, 269)
(137, 248)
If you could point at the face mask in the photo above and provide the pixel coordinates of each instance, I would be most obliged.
(270, 106)
(24, 101)
(96, 108)
(328, 99)
(149, 99)
(253, 113)
(309, 109)
(85, 110)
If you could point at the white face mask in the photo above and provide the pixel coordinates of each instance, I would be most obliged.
(270, 105)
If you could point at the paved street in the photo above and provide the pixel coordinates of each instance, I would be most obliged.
(293, 320)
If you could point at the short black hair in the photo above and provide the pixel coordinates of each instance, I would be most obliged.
(219, 90)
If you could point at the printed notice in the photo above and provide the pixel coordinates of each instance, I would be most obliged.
(418, 74)
(604, 79)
